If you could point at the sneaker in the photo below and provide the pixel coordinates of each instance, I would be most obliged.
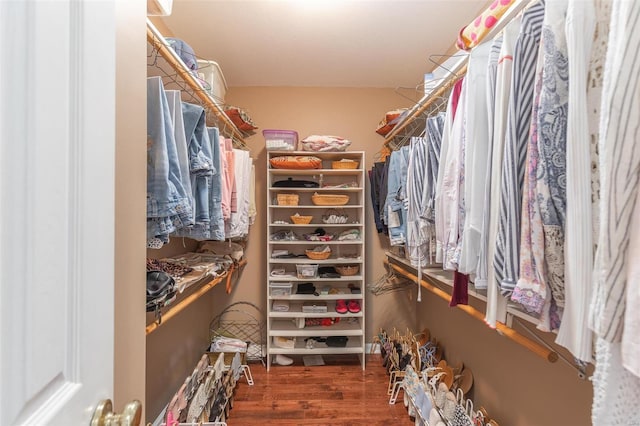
(282, 360)
(341, 306)
(353, 306)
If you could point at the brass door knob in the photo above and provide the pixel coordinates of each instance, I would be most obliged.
(104, 415)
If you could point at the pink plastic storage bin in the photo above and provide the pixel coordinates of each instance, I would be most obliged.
(280, 140)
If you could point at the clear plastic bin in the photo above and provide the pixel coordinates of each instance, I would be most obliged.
(211, 74)
(280, 289)
(307, 271)
(280, 140)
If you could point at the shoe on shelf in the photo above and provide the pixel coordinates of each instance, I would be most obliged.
(341, 306)
(353, 306)
(282, 360)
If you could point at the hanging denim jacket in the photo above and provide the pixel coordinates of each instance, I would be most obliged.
(395, 207)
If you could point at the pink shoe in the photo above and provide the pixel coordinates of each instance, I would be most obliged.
(353, 306)
(341, 307)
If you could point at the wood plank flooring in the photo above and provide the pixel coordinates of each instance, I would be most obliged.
(338, 393)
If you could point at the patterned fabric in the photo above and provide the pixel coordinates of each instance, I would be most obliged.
(472, 34)
(542, 249)
(506, 260)
(460, 417)
(531, 289)
(552, 126)
(574, 333)
(174, 269)
(616, 391)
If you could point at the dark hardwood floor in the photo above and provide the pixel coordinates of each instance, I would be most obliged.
(338, 393)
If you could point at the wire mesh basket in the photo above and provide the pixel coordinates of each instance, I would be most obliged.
(244, 321)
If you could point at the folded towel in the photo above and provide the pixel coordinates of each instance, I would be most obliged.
(280, 306)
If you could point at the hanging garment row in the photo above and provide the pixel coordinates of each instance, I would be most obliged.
(198, 185)
(537, 184)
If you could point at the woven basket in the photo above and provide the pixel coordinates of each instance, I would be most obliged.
(347, 270)
(301, 220)
(288, 199)
(344, 164)
(329, 199)
(317, 255)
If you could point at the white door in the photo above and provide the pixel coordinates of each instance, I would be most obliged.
(57, 100)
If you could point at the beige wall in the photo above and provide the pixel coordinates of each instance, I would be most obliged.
(131, 130)
(517, 387)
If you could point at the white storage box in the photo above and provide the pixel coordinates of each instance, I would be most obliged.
(212, 79)
(280, 289)
(280, 140)
(319, 307)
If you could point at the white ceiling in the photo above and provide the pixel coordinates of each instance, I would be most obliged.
(322, 43)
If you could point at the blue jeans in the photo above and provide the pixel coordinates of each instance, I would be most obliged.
(168, 206)
(201, 167)
(200, 161)
(395, 210)
(215, 195)
(175, 109)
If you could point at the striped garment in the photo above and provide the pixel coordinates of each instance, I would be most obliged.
(435, 127)
(506, 260)
(616, 379)
(619, 171)
(503, 88)
(418, 229)
(417, 195)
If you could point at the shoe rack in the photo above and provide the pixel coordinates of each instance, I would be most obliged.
(311, 308)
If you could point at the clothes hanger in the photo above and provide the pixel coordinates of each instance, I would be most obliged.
(440, 65)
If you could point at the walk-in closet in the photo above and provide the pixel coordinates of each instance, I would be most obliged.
(358, 212)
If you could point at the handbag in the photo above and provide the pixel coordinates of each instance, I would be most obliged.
(306, 288)
(291, 183)
(161, 288)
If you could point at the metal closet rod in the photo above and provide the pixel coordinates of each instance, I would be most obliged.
(159, 43)
(502, 328)
(425, 103)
